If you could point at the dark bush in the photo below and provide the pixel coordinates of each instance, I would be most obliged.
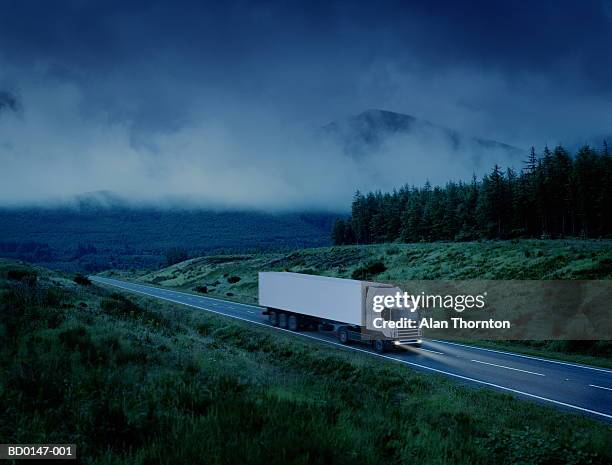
(119, 306)
(75, 337)
(201, 289)
(82, 280)
(204, 328)
(369, 270)
(310, 271)
(233, 279)
(53, 297)
(79, 339)
(605, 265)
(27, 277)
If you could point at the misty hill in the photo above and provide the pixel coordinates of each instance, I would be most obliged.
(368, 131)
(93, 235)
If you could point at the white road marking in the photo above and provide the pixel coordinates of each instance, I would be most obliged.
(576, 365)
(507, 368)
(425, 367)
(600, 387)
(432, 351)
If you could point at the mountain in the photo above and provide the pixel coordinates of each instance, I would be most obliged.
(367, 133)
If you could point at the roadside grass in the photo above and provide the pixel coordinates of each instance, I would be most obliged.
(516, 259)
(134, 380)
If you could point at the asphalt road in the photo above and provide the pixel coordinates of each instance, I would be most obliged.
(569, 386)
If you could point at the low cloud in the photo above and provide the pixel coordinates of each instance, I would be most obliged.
(56, 148)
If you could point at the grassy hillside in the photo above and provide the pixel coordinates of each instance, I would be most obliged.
(235, 276)
(527, 259)
(133, 380)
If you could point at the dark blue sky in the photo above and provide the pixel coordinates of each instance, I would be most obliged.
(520, 72)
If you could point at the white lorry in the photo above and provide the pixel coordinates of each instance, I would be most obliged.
(297, 301)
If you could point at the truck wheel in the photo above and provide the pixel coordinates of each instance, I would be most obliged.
(293, 323)
(343, 336)
(380, 346)
(282, 320)
(273, 318)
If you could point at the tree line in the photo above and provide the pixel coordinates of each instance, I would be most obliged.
(555, 194)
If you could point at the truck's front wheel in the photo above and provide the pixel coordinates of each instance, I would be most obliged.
(343, 336)
(273, 318)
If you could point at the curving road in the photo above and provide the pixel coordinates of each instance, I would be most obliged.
(579, 388)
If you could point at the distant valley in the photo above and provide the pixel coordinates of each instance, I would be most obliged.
(92, 238)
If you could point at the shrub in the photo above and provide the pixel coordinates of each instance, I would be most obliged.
(204, 328)
(201, 289)
(26, 276)
(369, 270)
(119, 306)
(75, 337)
(233, 279)
(53, 297)
(311, 271)
(82, 280)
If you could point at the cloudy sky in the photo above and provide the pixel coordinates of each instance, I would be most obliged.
(220, 104)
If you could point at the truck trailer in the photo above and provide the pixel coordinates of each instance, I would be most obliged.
(298, 301)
